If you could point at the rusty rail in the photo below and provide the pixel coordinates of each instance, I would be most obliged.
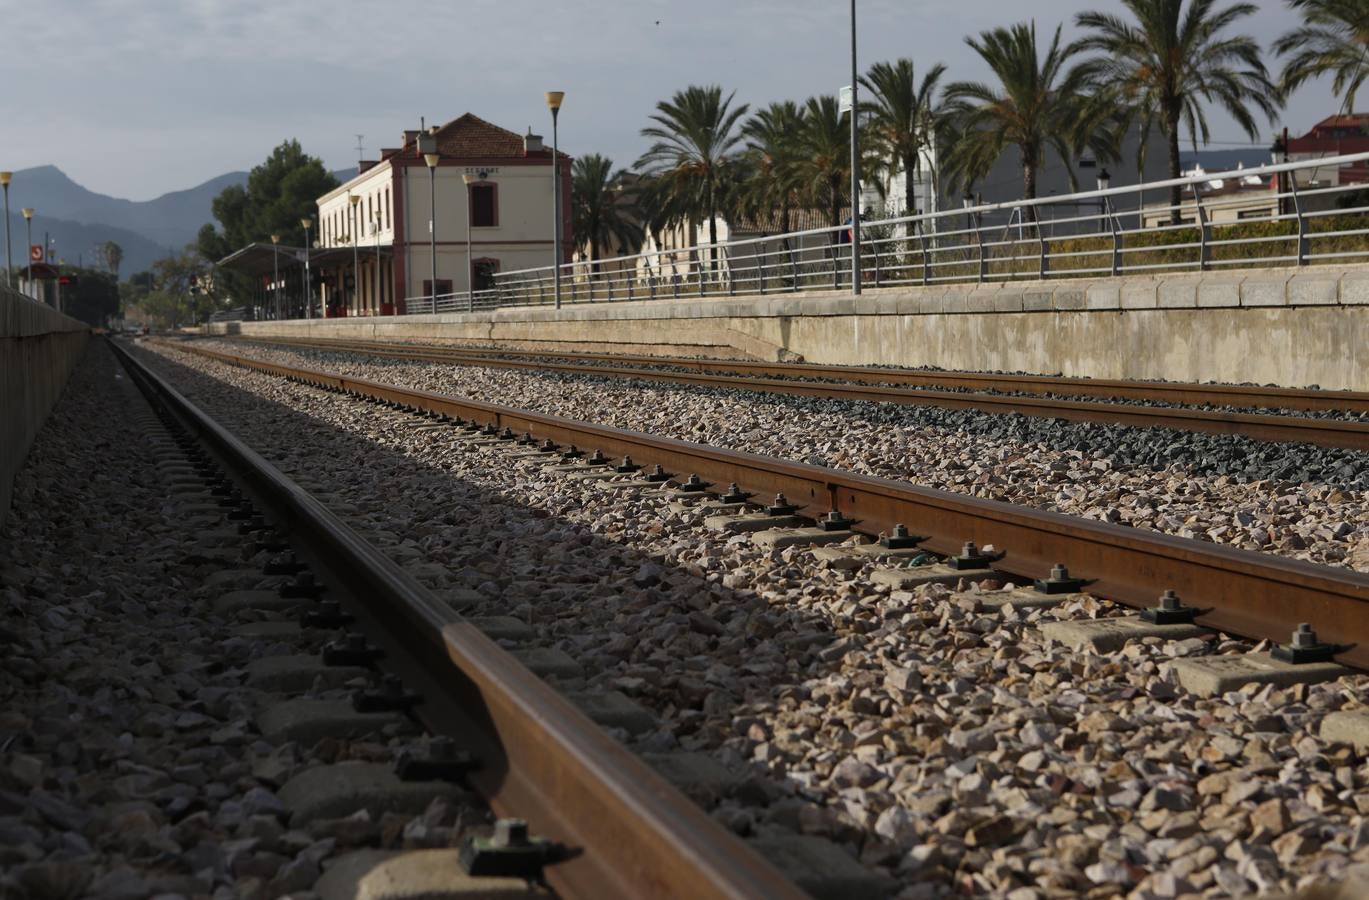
(631, 834)
(1252, 594)
(1257, 426)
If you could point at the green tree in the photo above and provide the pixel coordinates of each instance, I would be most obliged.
(94, 298)
(822, 165)
(904, 120)
(1333, 40)
(602, 209)
(1174, 57)
(773, 141)
(1037, 103)
(279, 193)
(695, 140)
(112, 255)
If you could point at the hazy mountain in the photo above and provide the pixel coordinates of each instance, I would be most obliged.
(76, 241)
(170, 220)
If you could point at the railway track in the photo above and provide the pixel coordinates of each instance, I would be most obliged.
(621, 829)
(788, 378)
(1236, 591)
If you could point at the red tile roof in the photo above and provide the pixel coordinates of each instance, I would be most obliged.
(471, 137)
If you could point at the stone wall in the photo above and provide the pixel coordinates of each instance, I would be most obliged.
(38, 349)
(1291, 327)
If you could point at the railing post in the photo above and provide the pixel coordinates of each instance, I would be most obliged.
(1204, 232)
(794, 268)
(979, 241)
(630, 279)
(1302, 221)
(926, 258)
(731, 284)
(1044, 245)
(835, 237)
(1116, 241)
(874, 248)
(760, 266)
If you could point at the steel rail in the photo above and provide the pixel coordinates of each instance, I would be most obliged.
(1241, 592)
(632, 834)
(1244, 396)
(1257, 426)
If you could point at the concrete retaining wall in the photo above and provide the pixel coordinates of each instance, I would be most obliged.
(1291, 327)
(38, 349)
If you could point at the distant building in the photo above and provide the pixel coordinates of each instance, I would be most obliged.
(372, 255)
(1332, 136)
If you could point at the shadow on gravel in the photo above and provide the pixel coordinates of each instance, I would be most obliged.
(704, 658)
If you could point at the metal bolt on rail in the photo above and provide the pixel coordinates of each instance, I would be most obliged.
(1304, 648)
(835, 521)
(970, 558)
(573, 452)
(253, 525)
(1059, 582)
(328, 615)
(781, 506)
(597, 459)
(508, 853)
(627, 466)
(351, 650)
(283, 564)
(303, 585)
(1171, 611)
(389, 696)
(507, 434)
(444, 761)
(900, 538)
(658, 475)
(693, 485)
(735, 494)
(242, 512)
(527, 440)
(548, 446)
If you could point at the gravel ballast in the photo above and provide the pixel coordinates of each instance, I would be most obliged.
(947, 747)
(1300, 501)
(130, 765)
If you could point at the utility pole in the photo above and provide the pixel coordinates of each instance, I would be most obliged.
(855, 164)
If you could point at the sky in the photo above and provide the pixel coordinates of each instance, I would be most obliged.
(135, 98)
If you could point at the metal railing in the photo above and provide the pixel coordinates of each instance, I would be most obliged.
(1288, 221)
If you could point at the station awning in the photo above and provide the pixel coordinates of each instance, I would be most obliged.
(261, 258)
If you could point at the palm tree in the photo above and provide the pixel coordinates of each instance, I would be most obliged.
(1037, 103)
(695, 138)
(903, 119)
(1170, 60)
(772, 139)
(602, 211)
(1334, 38)
(822, 163)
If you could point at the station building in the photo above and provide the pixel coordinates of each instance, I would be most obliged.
(373, 248)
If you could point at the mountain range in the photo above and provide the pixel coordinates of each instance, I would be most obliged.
(76, 219)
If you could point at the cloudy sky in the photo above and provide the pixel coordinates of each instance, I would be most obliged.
(138, 97)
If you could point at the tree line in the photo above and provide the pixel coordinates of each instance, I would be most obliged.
(1158, 67)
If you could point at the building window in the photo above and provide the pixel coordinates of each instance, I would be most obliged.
(484, 207)
(387, 208)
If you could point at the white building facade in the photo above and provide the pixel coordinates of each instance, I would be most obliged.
(397, 210)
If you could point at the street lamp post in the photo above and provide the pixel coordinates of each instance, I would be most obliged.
(375, 231)
(275, 271)
(1104, 182)
(355, 199)
(430, 159)
(9, 257)
(307, 224)
(554, 99)
(468, 178)
(855, 164)
(28, 233)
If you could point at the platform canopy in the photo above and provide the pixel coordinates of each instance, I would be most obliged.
(260, 258)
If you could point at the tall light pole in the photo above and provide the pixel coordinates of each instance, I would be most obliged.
(354, 199)
(375, 230)
(554, 99)
(469, 178)
(307, 224)
(28, 232)
(9, 253)
(430, 159)
(275, 271)
(855, 163)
